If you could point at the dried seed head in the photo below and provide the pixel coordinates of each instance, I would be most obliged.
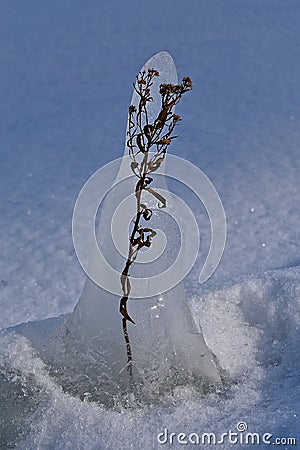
(153, 72)
(132, 109)
(187, 83)
(176, 117)
(166, 88)
(176, 88)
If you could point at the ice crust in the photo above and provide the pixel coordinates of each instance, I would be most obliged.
(252, 325)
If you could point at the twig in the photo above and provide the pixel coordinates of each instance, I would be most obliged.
(142, 136)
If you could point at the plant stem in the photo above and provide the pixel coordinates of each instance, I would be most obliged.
(141, 137)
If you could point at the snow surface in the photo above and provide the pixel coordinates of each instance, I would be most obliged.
(65, 84)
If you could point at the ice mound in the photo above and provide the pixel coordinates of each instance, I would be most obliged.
(167, 348)
(251, 324)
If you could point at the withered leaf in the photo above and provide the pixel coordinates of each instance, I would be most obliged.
(139, 143)
(159, 197)
(147, 213)
(133, 165)
(154, 165)
(165, 141)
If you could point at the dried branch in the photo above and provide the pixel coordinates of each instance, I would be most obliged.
(142, 137)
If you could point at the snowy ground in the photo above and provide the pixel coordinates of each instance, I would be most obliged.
(65, 84)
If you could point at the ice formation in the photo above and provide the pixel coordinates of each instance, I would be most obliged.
(167, 346)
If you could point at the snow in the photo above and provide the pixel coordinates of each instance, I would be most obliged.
(65, 85)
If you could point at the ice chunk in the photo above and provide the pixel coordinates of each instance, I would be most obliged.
(166, 344)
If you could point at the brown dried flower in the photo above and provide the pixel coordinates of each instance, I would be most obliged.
(144, 137)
